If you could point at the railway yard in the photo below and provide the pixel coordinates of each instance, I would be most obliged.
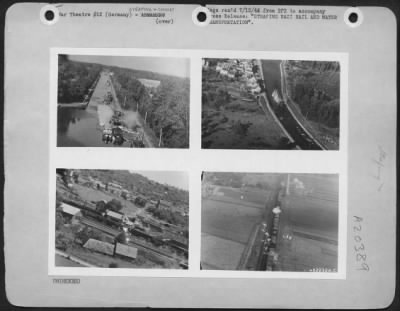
(112, 227)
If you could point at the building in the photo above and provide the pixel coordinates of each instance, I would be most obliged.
(114, 188)
(125, 194)
(153, 202)
(99, 246)
(150, 85)
(126, 251)
(97, 184)
(70, 212)
(114, 215)
(152, 225)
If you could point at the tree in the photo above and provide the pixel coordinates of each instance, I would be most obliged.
(114, 205)
(62, 242)
(59, 220)
(122, 238)
(240, 128)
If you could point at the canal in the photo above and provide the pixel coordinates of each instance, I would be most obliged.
(272, 76)
(78, 127)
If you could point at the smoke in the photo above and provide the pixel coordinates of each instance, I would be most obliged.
(105, 113)
(130, 119)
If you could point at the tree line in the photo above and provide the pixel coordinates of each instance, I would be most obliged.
(169, 216)
(75, 79)
(167, 106)
(141, 184)
(314, 86)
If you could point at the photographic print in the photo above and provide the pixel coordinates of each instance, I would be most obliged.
(123, 101)
(121, 219)
(270, 104)
(269, 222)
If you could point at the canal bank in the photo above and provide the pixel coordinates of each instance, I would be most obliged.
(79, 127)
(272, 74)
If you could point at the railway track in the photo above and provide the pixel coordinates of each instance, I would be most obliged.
(158, 252)
(114, 232)
(99, 226)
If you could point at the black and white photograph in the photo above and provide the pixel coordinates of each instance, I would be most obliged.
(123, 101)
(171, 155)
(269, 222)
(270, 104)
(121, 219)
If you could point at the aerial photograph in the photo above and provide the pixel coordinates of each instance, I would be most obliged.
(269, 222)
(123, 101)
(270, 104)
(121, 219)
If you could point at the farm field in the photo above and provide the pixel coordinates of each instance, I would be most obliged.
(227, 225)
(311, 218)
(270, 222)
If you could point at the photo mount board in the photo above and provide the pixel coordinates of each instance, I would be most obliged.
(370, 151)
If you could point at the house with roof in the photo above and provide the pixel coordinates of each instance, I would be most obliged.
(71, 213)
(113, 187)
(99, 246)
(114, 215)
(150, 84)
(126, 251)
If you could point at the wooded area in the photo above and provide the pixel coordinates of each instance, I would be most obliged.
(315, 87)
(141, 184)
(75, 79)
(167, 106)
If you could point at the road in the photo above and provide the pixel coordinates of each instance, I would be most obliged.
(130, 117)
(284, 115)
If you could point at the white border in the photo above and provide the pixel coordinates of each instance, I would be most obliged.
(195, 160)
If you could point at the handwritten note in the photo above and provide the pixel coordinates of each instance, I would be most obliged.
(379, 165)
(359, 246)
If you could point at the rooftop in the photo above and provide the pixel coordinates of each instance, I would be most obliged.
(99, 246)
(149, 83)
(114, 214)
(69, 209)
(126, 250)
